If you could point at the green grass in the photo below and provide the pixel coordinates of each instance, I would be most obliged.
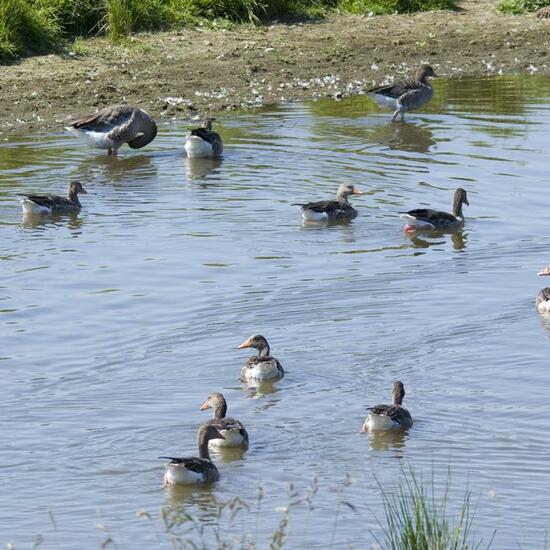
(521, 6)
(416, 518)
(39, 26)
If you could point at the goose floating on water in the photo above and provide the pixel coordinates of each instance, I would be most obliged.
(388, 417)
(54, 204)
(428, 219)
(405, 95)
(203, 142)
(233, 432)
(261, 366)
(194, 469)
(332, 211)
(543, 297)
(113, 126)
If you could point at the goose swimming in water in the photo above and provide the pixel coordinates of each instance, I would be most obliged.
(389, 417)
(405, 95)
(261, 366)
(203, 142)
(194, 469)
(234, 433)
(113, 126)
(542, 302)
(428, 219)
(54, 204)
(332, 211)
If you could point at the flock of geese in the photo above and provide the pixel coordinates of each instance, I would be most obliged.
(116, 125)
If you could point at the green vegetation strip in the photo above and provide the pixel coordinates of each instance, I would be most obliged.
(522, 6)
(40, 26)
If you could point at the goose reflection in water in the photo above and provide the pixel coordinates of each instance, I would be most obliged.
(200, 168)
(383, 441)
(200, 495)
(405, 137)
(458, 238)
(34, 221)
(115, 169)
(256, 389)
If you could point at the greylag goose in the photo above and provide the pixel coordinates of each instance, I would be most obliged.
(261, 366)
(54, 204)
(195, 469)
(388, 417)
(405, 95)
(543, 297)
(234, 433)
(425, 218)
(113, 126)
(203, 142)
(332, 211)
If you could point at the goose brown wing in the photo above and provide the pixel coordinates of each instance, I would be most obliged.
(50, 201)
(392, 411)
(206, 135)
(323, 206)
(105, 119)
(194, 463)
(397, 89)
(431, 216)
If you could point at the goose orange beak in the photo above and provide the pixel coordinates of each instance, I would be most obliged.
(358, 192)
(205, 406)
(545, 271)
(245, 344)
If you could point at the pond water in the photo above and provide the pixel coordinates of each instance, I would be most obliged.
(117, 324)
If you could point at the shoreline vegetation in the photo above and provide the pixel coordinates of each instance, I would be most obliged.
(216, 65)
(41, 26)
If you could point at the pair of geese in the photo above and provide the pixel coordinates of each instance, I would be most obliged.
(224, 431)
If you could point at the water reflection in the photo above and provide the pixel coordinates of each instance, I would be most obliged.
(404, 136)
(227, 454)
(116, 169)
(383, 441)
(199, 168)
(422, 238)
(259, 388)
(200, 495)
(34, 221)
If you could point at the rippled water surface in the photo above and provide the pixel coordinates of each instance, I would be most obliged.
(116, 324)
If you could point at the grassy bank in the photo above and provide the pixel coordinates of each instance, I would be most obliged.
(522, 6)
(40, 26)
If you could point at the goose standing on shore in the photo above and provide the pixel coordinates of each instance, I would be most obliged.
(194, 469)
(405, 95)
(54, 204)
(332, 211)
(234, 433)
(113, 126)
(203, 142)
(428, 219)
(261, 366)
(388, 417)
(542, 302)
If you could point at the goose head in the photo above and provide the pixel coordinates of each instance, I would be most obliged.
(398, 392)
(214, 401)
(347, 189)
(423, 72)
(75, 187)
(207, 123)
(257, 341)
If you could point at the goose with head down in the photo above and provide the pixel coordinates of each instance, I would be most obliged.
(405, 95)
(334, 210)
(437, 220)
(195, 469)
(203, 142)
(54, 204)
(233, 432)
(388, 417)
(261, 366)
(113, 126)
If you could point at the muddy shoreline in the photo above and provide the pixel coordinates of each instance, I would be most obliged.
(191, 72)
